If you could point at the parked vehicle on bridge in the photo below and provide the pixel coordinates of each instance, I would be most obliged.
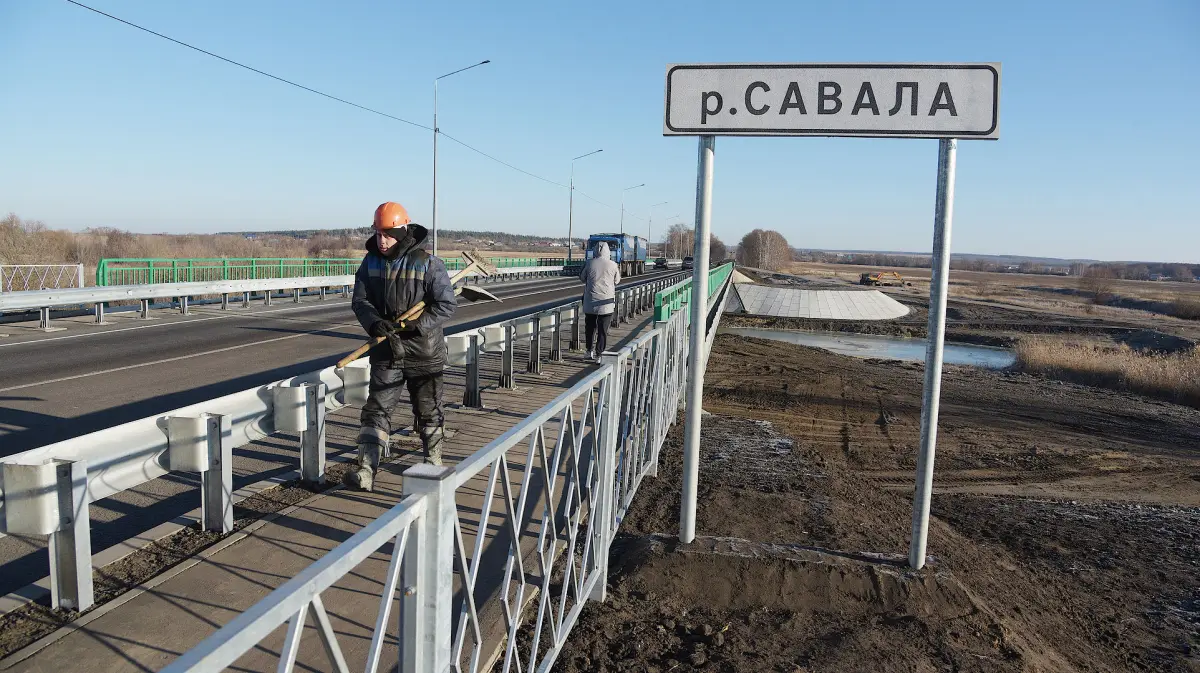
(660, 263)
(629, 252)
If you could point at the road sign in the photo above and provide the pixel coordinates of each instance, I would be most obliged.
(945, 100)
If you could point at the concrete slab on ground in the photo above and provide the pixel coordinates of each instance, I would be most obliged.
(787, 302)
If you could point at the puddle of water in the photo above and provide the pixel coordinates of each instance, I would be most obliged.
(884, 347)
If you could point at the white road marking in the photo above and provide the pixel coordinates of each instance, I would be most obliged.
(174, 359)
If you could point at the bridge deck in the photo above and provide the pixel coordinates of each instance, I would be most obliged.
(145, 629)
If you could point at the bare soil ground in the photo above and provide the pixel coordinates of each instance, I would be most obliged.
(1066, 530)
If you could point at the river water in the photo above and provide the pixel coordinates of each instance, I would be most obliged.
(884, 347)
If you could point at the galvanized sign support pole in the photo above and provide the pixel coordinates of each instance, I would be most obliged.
(943, 214)
(699, 311)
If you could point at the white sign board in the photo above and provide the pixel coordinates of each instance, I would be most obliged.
(959, 100)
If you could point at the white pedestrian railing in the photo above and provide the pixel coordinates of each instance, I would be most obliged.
(46, 491)
(26, 277)
(554, 489)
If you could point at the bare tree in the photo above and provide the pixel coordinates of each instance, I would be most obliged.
(764, 249)
(1097, 282)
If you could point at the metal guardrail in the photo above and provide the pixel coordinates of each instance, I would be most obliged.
(594, 444)
(98, 297)
(24, 277)
(46, 491)
(675, 298)
(149, 271)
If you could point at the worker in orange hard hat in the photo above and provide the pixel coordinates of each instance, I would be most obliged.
(396, 274)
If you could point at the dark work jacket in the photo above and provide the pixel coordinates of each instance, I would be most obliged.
(386, 286)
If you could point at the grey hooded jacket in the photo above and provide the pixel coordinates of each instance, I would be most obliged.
(600, 277)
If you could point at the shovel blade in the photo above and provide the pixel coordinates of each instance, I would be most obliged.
(474, 293)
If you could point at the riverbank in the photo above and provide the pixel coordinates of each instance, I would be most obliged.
(1063, 536)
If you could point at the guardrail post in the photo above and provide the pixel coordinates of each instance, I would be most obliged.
(322, 295)
(216, 483)
(534, 364)
(99, 313)
(144, 312)
(44, 318)
(295, 295)
(183, 305)
(312, 440)
(506, 360)
(471, 396)
(71, 545)
(605, 446)
(267, 301)
(575, 326)
(224, 301)
(428, 595)
(556, 338)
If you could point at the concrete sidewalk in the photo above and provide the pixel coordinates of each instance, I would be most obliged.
(147, 628)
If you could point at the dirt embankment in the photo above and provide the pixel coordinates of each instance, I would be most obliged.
(1065, 537)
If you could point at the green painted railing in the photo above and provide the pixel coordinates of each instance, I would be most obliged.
(456, 263)
(147, 271)
(676, 297)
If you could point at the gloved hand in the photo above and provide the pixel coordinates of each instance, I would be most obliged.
(383, 329)
(407, 330)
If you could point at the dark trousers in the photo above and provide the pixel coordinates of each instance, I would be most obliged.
(597, 326)
(424, 393)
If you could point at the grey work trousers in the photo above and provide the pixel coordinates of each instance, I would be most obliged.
(424, 386)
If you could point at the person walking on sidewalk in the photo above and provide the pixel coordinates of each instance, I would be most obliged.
(396, 274)
(600, 277)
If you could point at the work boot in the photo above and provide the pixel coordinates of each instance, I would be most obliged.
(431, 440)
(591, 355)
(361, 478)
(363, 475)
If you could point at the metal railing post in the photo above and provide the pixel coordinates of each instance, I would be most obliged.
(658, 394)
(216, 483)
(267, 300)
(606, 462)
(426, 601)
(71, 545)
(322, 295)
(534, 364)
(183, 306)
(144, 312)
(506, 359)
(471, 395)
(224, 301)
(312, 440)
(99, 313)
(556, 338)
(44, 318)
(295, 295)
(575, 326)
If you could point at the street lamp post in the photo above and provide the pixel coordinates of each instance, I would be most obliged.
(571, 206)
(433, 218)
(623, 205)
(650, 222)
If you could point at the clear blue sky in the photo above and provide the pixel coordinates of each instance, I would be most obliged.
(103, 125)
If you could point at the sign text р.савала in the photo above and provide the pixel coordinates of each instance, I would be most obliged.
(871, 100)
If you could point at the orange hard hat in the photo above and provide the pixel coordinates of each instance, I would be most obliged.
(389, 216)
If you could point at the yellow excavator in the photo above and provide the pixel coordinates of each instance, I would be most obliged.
(881, 278)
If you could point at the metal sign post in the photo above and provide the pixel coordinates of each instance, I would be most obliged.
(699, 313)
(931, 396)
(949, 101)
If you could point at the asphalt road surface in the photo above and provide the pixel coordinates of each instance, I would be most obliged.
(59, 385)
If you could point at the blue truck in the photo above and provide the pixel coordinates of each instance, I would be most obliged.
(629, 252)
